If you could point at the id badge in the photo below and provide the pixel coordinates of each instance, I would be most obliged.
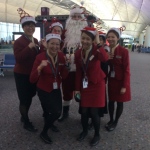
(85, 83)
(55, 85)
(112, 74)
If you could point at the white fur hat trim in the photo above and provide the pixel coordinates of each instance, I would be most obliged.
(27, 19)
(52, 36)
(77, 10)
(56, 24)
(116, 30)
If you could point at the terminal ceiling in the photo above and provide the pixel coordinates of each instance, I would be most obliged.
(134, 14)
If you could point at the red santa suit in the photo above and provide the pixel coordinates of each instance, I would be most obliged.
(120, 66)
(68, 85)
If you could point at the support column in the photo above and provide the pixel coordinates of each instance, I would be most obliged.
(0, 32)
(141, 39)
(147, 37)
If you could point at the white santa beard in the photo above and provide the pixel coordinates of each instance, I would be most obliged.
(73, 33)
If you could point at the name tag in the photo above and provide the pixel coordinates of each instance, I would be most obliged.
(55, 85)
(117, 56)
(112, 74)
(85, 83)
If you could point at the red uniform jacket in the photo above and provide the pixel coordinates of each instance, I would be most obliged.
(46, 78)
(24, 55)
(94, 95)
(120, 64)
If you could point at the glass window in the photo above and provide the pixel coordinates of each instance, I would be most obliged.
(10, 27)
(3, 28)
(16, 28)
(21, 30)
(7, 29)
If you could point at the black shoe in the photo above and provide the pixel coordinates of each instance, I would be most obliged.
(46, 138)
(54, 128)
(28, 126)
(82, 136)
(64, 116)
(112, 126)
(95, 140)
(108, 124)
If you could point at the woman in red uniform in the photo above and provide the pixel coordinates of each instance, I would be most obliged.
(90, 82)
(57, 28)
(118, 78)
(104, 67)
(25, 51)
(48, 70)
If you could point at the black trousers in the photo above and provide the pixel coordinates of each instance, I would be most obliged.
(51, 103)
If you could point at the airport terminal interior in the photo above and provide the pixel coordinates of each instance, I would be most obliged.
(132, 19)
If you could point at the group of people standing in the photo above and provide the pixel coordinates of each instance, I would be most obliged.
(77, 66)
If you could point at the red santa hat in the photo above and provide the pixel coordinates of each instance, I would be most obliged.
(52, 36)
(117, 30)
(78, 10)
(25, 17)
(44, 20)
(56, 22)
(90, 29)
(102, 34)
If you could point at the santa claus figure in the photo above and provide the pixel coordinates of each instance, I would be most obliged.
(74, 24)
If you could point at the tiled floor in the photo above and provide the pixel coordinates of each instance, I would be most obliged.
(132, 132)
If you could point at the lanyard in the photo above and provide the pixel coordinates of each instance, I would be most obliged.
(36, 46)
(52, 67)
(113, 67)
(85, 66)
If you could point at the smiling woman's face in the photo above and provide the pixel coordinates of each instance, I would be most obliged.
(53, 45)
(112, 39)
(29, 29)
(86, 41)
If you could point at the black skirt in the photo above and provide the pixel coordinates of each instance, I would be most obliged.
(51, 102)
(25, 89)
